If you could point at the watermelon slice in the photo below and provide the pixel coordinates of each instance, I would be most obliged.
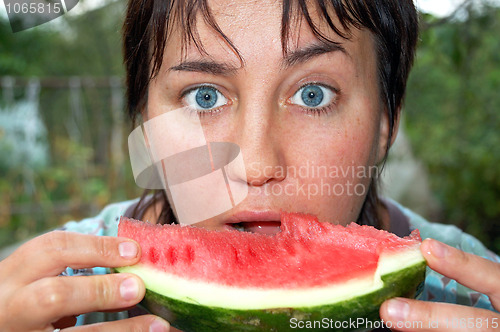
(202, 280)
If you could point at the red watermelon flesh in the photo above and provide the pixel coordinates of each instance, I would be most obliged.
(305, 254)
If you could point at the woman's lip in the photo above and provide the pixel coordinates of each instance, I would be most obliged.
(253, 216)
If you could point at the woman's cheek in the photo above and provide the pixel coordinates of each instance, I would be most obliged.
(330, 169)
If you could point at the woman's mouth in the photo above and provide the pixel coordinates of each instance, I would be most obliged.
(261, 222)
(260, 227)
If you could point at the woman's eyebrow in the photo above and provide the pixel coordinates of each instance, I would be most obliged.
(302, 55)
(206, 66)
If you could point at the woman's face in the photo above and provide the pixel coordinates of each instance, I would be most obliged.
(310, 124)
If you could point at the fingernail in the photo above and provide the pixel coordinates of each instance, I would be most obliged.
(128, 250)
(398, 310)
(438, 249)
(159, 326)
(129, 289)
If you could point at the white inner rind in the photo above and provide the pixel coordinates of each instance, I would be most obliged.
(211, 294)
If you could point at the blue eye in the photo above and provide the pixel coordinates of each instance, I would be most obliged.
(313, 96)
(205, 98)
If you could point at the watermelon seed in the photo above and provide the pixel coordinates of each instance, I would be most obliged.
(190, 254)
(171, 255)
(153, 255)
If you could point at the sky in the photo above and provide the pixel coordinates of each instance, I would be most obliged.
(442, 7)
(437, 7)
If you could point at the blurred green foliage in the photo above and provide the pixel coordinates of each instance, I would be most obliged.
(84, 172)
(453, 118)
(82, 45)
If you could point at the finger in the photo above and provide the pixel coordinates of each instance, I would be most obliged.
(50, 254)
(411, 315)
(464, 267)
(49, 299)
(147, 323)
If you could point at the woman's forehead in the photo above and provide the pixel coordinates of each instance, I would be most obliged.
(255, 29)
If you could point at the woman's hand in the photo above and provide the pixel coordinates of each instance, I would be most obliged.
(469, 270)
(34, 298)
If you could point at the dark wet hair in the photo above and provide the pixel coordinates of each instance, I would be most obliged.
(393, 23)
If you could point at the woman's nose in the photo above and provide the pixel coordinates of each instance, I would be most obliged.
(260, 139)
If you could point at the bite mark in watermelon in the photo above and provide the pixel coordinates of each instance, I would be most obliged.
(203, 280)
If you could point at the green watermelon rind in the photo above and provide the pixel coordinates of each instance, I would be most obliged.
(192, 317)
